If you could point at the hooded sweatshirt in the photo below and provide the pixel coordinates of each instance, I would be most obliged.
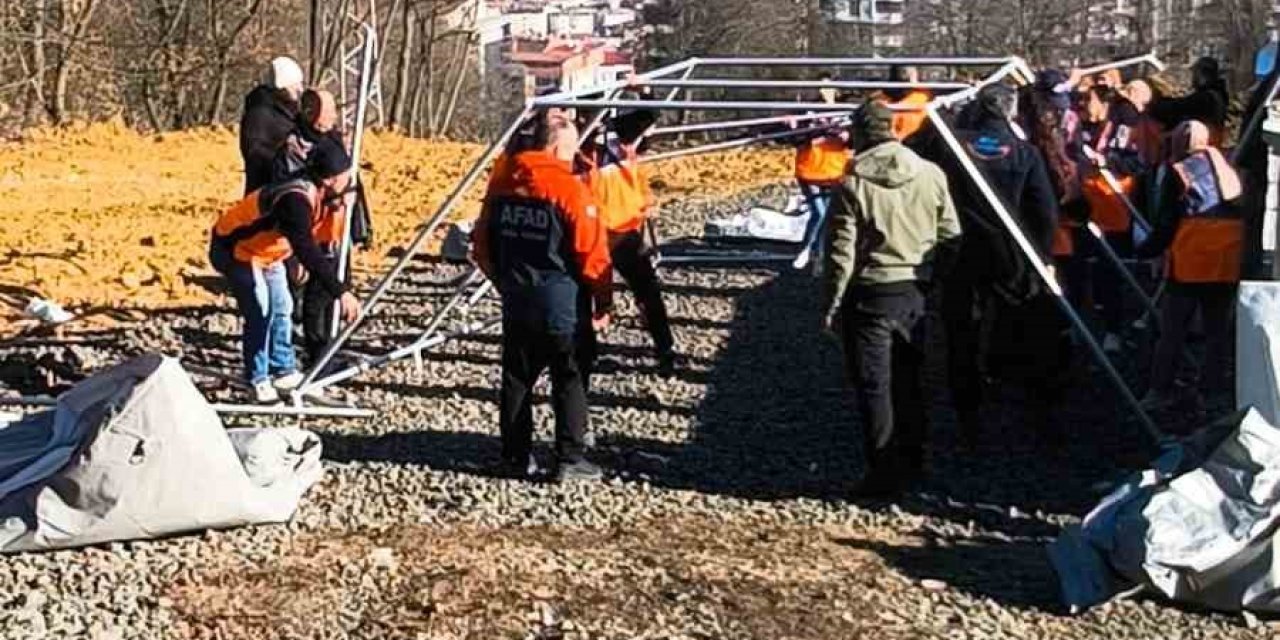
(888, 218)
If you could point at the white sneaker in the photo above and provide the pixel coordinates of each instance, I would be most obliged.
(1111, 343)
(289, 382)
(801, 260)
(265, 393)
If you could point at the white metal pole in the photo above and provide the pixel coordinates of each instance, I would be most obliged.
(620, 84)
(1255, 121)
(404, 352)
(1149, 58)
(357, 146)
(735, 124)
(1120, 266)
(717, 83)
(1041, 269)
(424, 232)
(854, 62)
(704, 105)
(225, 409)
(732, 144)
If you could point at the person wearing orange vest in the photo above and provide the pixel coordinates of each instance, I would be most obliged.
(1202, 237)
(249, 245)
(620, 185)
(821, 162)
(908, 122)
(542, 242)
(1109, 141)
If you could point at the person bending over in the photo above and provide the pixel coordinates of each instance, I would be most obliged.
(249, 245)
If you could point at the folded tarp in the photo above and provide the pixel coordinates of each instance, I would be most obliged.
(1198, 528)
(136, 452)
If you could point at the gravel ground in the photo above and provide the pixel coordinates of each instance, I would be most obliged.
(725, 514)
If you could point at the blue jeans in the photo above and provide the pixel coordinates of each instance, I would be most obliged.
(262, 294)
(818, 197)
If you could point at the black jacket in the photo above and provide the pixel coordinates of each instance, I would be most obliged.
(1016, 171)
(1207, 104)
(265, 125)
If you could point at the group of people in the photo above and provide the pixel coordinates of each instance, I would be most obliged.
(279, 245)
(893, 215)
(1066, 156)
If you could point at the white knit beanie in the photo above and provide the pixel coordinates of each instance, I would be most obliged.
(284, 73)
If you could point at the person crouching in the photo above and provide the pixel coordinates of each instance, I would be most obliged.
(249, 246)
(540, 240)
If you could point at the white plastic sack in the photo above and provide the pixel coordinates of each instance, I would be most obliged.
(1258, 349)
(136, 452)
(760, 223)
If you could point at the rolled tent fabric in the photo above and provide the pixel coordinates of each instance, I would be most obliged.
(1204, 535)
(143, 455)
(1258, 349)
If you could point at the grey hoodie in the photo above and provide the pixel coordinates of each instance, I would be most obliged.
(887, 218)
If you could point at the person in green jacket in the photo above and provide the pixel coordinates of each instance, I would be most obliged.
(891, 218)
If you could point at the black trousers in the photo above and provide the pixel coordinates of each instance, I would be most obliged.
(317, 315)
(1109, 283)
(882, 328)
(963, 305)
(1216, 303)
(526, 353)
(633, 263)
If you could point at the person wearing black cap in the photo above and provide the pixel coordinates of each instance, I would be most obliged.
(250, 243)
(991, 266)
(891, 218)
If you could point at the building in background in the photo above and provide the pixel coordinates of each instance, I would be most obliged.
(878, 26)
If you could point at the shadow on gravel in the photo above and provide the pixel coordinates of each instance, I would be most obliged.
(778, 421)
(1015, 574)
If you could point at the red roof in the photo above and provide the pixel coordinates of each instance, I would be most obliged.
(613, 58)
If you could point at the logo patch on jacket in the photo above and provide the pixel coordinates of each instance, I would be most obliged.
(989, 147)
(525, 219)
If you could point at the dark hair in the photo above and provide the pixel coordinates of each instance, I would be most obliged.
(998, 101)
(630, 126)
(1047, 136)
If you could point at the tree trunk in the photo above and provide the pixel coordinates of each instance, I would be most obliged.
(76, 32)
(431, 73)
(446, 117)
(402, 67)
(219, 95)
(313, 38)
(36, 95)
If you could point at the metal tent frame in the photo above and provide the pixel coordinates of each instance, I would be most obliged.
(677, 77)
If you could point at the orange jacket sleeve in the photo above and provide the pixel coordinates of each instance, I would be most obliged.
(590, 238)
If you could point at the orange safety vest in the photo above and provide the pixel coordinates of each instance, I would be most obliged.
(1064, 241)
(1106, 209)
(257, 240)
(906, 123)
(823, 159)
(620, 185)
(1208, 244)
